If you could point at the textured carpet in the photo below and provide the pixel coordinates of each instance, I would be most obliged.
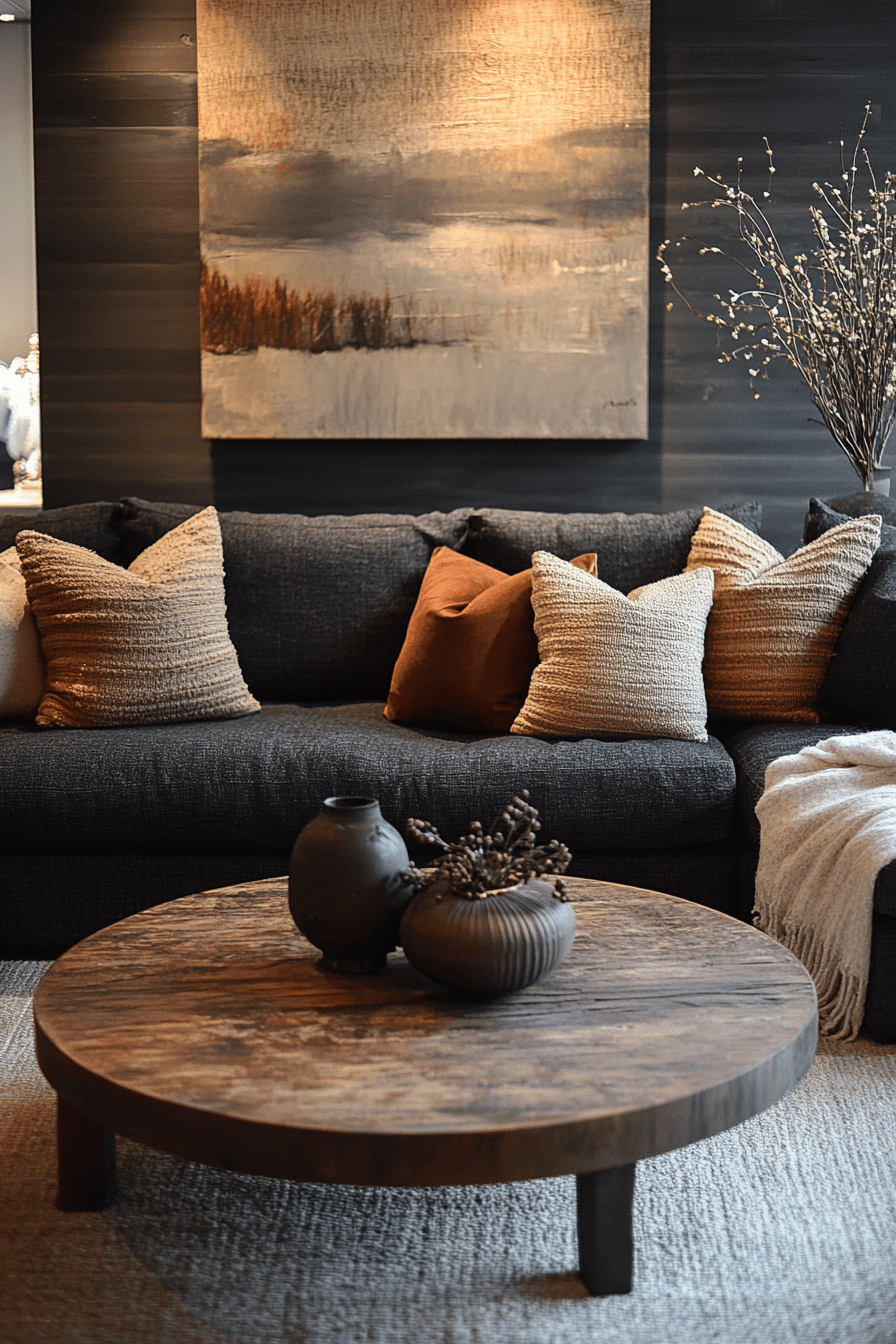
(782, 1231)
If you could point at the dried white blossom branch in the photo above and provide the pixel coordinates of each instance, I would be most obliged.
(830, 312)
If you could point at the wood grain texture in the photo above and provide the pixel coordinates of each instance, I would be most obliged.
(206, 1027)
(156, 98)
(116, 196)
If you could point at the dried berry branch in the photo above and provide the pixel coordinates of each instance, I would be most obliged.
(481, 862)
(830, 313)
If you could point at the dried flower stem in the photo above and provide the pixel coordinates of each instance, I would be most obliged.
(479, 863)
(832, 317)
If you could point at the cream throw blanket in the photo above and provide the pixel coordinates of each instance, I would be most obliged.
(828, 818)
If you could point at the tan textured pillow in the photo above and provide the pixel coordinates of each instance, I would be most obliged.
(23, 675)
(775, 622)
(148, 644)
(614, 664)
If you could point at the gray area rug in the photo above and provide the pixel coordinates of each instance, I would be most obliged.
(781, 1231)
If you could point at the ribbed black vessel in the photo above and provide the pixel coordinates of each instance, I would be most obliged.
(489, 946)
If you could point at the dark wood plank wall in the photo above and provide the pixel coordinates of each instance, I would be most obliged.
(117, 219)
(797, 71)
(114, 89)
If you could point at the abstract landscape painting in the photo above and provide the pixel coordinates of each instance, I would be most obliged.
(424, 218)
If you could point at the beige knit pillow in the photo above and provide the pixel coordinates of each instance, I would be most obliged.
(613, 664)
(148, 644)
(774, 622)
(23, 676)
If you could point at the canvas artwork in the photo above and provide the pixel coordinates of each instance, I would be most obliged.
(424, 218)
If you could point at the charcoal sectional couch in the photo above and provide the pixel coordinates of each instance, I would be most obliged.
(99, 823)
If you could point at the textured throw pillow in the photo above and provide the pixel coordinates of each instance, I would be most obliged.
(775, 622)
(860, 686)
(470, 647)
(610, 664)
(22, 670)
(144, 645)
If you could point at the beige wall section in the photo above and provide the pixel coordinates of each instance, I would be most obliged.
(18, 277)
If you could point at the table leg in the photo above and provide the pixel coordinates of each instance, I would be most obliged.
(604, 1219)
(86, 1156)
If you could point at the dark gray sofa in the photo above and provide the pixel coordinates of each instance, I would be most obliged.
(99, 823)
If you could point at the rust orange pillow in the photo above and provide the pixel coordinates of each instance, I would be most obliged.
(470, 648)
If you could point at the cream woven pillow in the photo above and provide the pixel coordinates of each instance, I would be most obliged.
(614, 664)
(775, 622)
(23, 675)
(148, 644)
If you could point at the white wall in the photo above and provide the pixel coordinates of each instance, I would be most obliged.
(18, 274)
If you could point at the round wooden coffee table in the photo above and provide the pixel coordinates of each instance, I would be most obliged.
(206, 1028)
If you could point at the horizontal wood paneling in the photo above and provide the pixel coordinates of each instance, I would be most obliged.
(121, 43)
(117, 194)
(115, 100)
(407, 477)
(798, 72)
(118, 249)
(149, 234)
(129, 448)
(118, 168)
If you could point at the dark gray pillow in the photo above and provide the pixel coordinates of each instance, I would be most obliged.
(860, 505)
(632, 548)
(317, 608)
(89, 525)
(860, 686)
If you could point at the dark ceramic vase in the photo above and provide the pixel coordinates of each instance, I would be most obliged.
(489, 946)
(345, 888)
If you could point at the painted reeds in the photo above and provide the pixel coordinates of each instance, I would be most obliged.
(247, 314)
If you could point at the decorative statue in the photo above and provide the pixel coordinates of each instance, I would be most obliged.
(20, 414)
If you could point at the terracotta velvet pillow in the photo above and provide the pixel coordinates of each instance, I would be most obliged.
(470, 648)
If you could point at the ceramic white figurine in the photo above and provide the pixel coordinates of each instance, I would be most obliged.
(20, 413)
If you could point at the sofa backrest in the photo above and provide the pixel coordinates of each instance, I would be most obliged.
(632, 548)
(860, 683)
(317, 607)
(90, 525)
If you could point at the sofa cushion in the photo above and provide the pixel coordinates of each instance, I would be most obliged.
(754, 748)
(632, 548)
(148, 644)
(616, 664)
(470, 649)
(254, 782)
(58, 899)
(317, 607)
(860, 685)
(90, 525)
(774, 622)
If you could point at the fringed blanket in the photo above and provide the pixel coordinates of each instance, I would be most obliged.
(828, 819)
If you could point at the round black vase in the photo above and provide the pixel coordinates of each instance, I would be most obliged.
(345, 889)
(490, 946)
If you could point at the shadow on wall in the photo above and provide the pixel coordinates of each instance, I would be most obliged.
(300, 476)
